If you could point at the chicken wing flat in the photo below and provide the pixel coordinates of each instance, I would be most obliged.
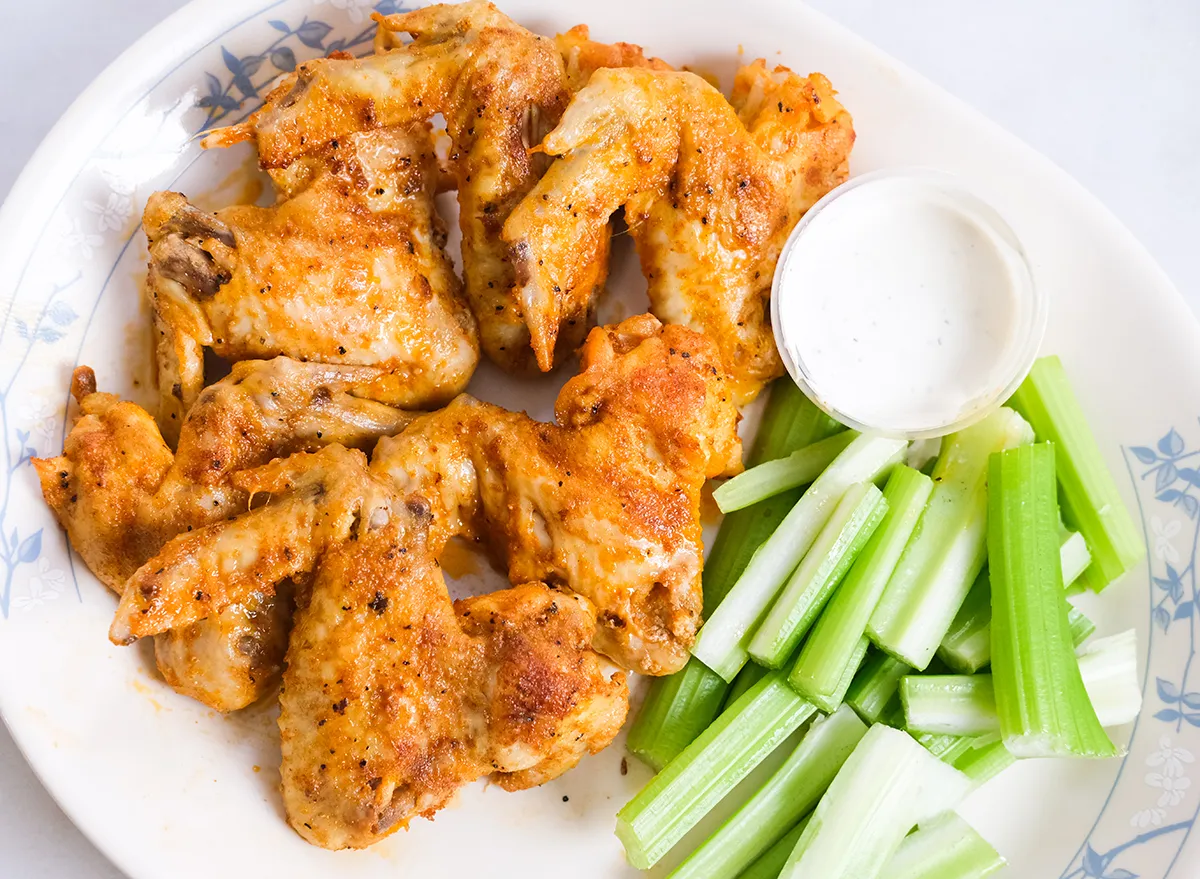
(121, 494)
(607, 501)
(496, 84)
(583, 56)
(710, 190)
(349, 267)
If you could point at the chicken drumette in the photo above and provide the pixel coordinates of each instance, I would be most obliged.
(349, 267)
(121, 494)
(710, 190)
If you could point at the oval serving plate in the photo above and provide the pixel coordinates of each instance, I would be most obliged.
(166, 787)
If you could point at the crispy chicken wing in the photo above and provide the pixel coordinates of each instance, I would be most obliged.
(349, 267)
(583, 56)
(710, 194)
(497, 86)
(606, 501)
(121, 494)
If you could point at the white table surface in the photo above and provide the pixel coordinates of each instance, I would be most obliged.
(1106, 88)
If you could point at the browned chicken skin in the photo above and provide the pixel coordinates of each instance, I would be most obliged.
(710, 190)
(349, 267)
(121, 494)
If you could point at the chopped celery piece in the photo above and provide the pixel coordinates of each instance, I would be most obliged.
(817, 674)
(1108, 667)
(1091, 502)
(831, 702)
(750, 675)
(984, 761)
(773, 859)
(945, 848)
(1081, 627)
(946, 748)
(945, 555)
(722, 642)
(1043, 706)
(772, 477)
(676, 710)
(967, 646)
(838, 544)
(889, 784)
(678, 707)
(955, 705)
(875, 691)
(707, 769)
(787, 796)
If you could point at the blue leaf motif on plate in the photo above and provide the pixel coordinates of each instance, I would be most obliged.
(1184, 610)
(1121, 874)
(279, 25)
(48, 335)
(1170, 715)
(241, 75)
(1143, 454)
(313, 34)
(1192, 700)
(1171, 444)
(22, 329)
(283, 58)
(30, 548)
(1093, 863)
(1162, 616)
(1190, 505)
(1167, 691)
(1166, 475)
(1171, 583)
(1193, 719)
(61, 313)
(1169, 496)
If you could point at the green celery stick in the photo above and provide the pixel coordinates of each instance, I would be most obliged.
(820, 668)
(949, 547)
(830, 703)
(1091, 502)
(945, 848)
(678, 707)
(946, 748)
(887, 786)
(723, 640)
(786, 797)
(750, 675)
(984, 761)
(875, 691)
(772, 477)
(709, 768)
(676, 710)
(1043, 706)
(839, 542)
(773, 859)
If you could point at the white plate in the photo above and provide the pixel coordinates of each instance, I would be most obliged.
(168, 788)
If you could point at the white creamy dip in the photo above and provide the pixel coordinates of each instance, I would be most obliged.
(903, 304)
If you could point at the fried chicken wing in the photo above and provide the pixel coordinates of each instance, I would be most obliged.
(349, 267)
(709, 196)
(583, 56)
(606, 501)
(121, 494)
(497, 85)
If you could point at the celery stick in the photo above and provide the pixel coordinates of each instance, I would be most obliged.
(723, 639)
(830, 702)
(678, 707)
(772, 477)
(750, 675)
(1108, 667)
(955, 705)
(839, 542)
(773, 859)
(888, 785)
(945, 848)
(820, 668)
(1043, 706)
(967, 646)
(949, 547)
(707, 769)
(676, 710)
(786, 797)
(946, 748)
(1091, 502)
(984, 761)
(875, 691)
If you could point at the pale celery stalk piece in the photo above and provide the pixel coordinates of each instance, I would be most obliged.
(1108, 667)
(839, 542)
(676, 710)
(949, 547)
(1043, 705)
(874, 694)
(820, 669)
(946, 748)
(1091, 503)
(784, 799)
(773, 477)
(887, 786)
(945, 848)
(679, 707)
(967, 646)
(750, 675)
(984, 760)
(773, 859)
(722, 642)
(831, 702)
(709, 768)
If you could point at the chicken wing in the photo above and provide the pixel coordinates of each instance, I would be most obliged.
(583, 56)
(496, 84)
(349, 267)
(607, 501)
(121, 494)
(709, 197)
